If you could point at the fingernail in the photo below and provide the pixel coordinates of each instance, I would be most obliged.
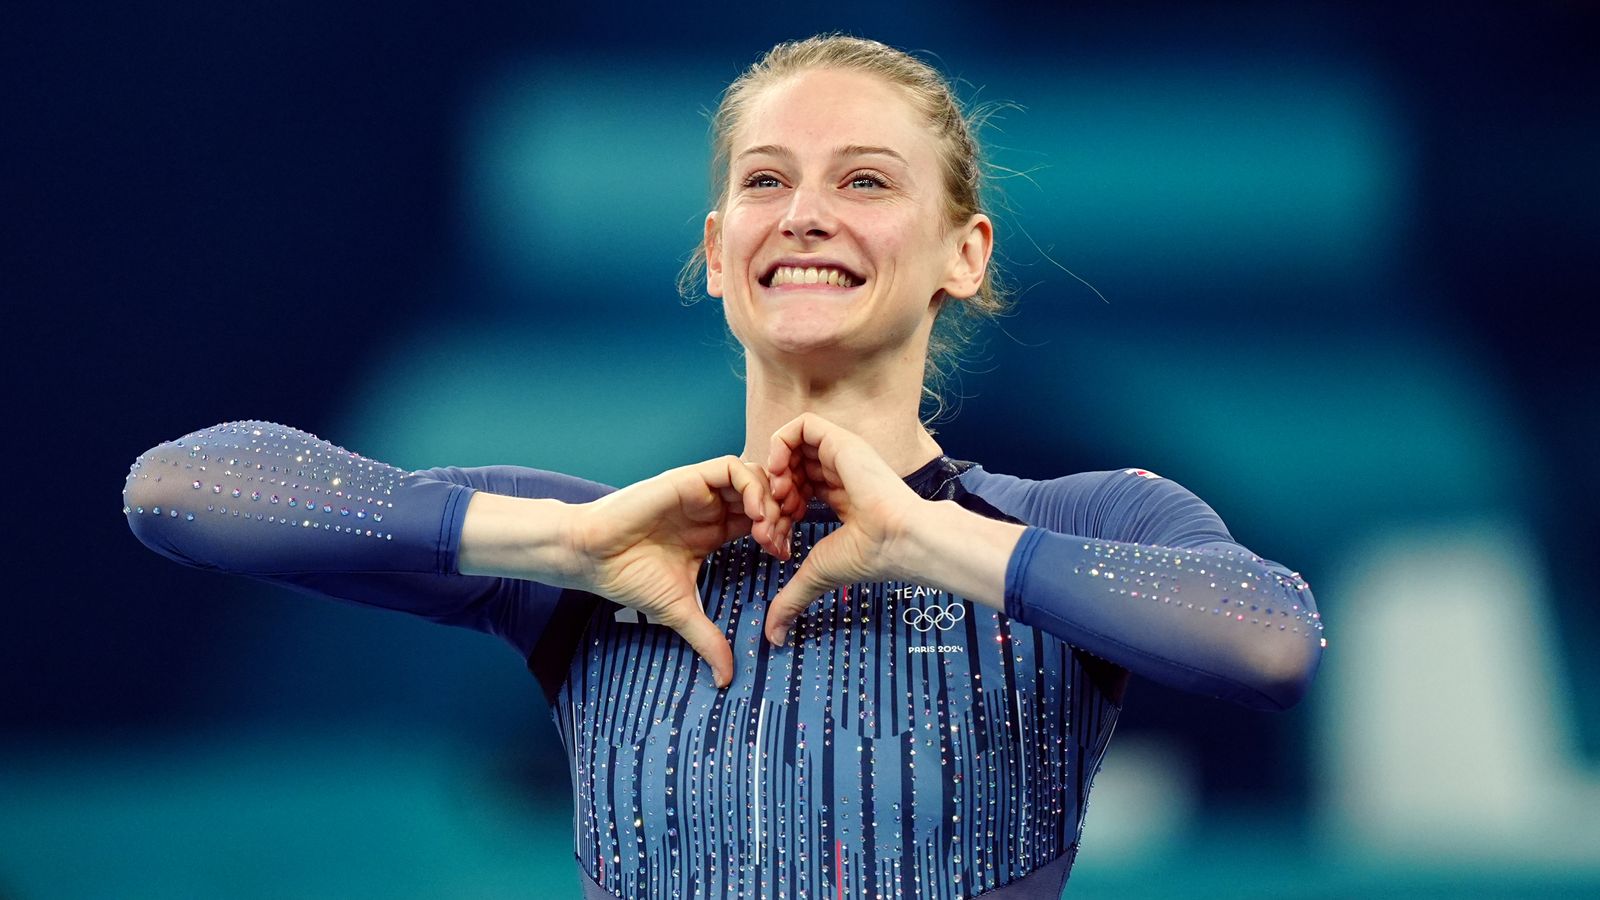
(783, 635)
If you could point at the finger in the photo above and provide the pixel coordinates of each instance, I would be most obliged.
(788, 491)
(732, 473)
(769, 503)
(778, 450)
(781, 483)
(786, 495)
(775, 537)
(794, 503)
(710, 644)
(757, 492)
(807, 447)
(723, 474)
(787, 441)
(754, 491)
(774, 533)
(780, 500)
(783, 535)
(808, 583)
(795, 597)
(766, 531)
(742, 504)
(744, 487)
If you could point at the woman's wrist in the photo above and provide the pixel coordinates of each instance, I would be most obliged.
(519, 537)
(958, 551)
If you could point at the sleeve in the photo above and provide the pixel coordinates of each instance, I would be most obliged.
(277, 504)
(1139, 571)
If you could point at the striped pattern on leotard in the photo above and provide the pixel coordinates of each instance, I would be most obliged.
(905, 743)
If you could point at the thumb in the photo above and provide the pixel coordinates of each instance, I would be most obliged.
(711, 644)
(809, 582)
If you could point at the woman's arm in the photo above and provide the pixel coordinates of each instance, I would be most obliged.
(1211, 618)
(1191, 609)
(278, 504)
(490, 548)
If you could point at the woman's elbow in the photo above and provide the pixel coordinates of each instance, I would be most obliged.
(1282, 670)
(152, 496)
(1282, 658)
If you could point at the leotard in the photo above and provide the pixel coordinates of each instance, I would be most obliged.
(905, 742)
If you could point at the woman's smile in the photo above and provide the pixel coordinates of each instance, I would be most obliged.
(825, 275)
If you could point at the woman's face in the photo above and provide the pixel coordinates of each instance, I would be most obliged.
(834, 240)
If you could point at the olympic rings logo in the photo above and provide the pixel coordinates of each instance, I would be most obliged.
(942, 617)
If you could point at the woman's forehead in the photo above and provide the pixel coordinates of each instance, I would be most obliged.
(821, 111)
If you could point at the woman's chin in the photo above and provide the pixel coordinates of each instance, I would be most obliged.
(816, 335)
(808, 345)
(800, 331)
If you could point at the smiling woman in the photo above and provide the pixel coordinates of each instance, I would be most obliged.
(747, 657)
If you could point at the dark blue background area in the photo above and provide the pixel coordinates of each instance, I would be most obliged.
(214, 213)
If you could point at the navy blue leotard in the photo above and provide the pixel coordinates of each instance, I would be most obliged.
(905, 742)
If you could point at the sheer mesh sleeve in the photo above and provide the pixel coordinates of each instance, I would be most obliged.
(268, 501)
(1139, 571)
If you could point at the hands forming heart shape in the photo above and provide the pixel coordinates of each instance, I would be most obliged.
(643, 545)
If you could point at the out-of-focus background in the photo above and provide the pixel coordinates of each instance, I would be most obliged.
(1344, 252)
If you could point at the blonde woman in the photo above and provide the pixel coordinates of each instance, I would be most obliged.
(840, 662)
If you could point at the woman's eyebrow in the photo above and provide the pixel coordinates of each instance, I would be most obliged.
(862, 150)
(766, 150)
(845, 151)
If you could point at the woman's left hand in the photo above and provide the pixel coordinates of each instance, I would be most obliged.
(812, 457)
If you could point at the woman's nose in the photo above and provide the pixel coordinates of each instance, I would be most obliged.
(808, 217)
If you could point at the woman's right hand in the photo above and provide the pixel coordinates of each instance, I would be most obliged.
(642, 546)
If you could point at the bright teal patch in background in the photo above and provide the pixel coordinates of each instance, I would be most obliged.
(271, 814)
(1352, 427)
(611, 406)
(595, 182)
(1246, 172)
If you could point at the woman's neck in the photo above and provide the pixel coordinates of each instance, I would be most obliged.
(880, 406)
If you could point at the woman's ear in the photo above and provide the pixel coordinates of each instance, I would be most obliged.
(969, 258)
(713, 256)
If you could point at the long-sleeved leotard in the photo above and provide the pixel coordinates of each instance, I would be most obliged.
(905, 741)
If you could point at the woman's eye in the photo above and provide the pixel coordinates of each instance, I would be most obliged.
(761, 180)
(867, 180)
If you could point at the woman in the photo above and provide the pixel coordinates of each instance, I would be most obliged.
(893, 672)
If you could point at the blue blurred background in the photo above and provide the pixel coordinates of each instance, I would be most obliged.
(1345, 253)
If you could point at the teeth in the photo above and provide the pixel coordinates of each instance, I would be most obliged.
(810, 275)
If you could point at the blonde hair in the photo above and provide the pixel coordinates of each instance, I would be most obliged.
(931, 97)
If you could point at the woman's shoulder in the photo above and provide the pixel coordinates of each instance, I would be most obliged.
(1104, 481)
(1129, 503)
